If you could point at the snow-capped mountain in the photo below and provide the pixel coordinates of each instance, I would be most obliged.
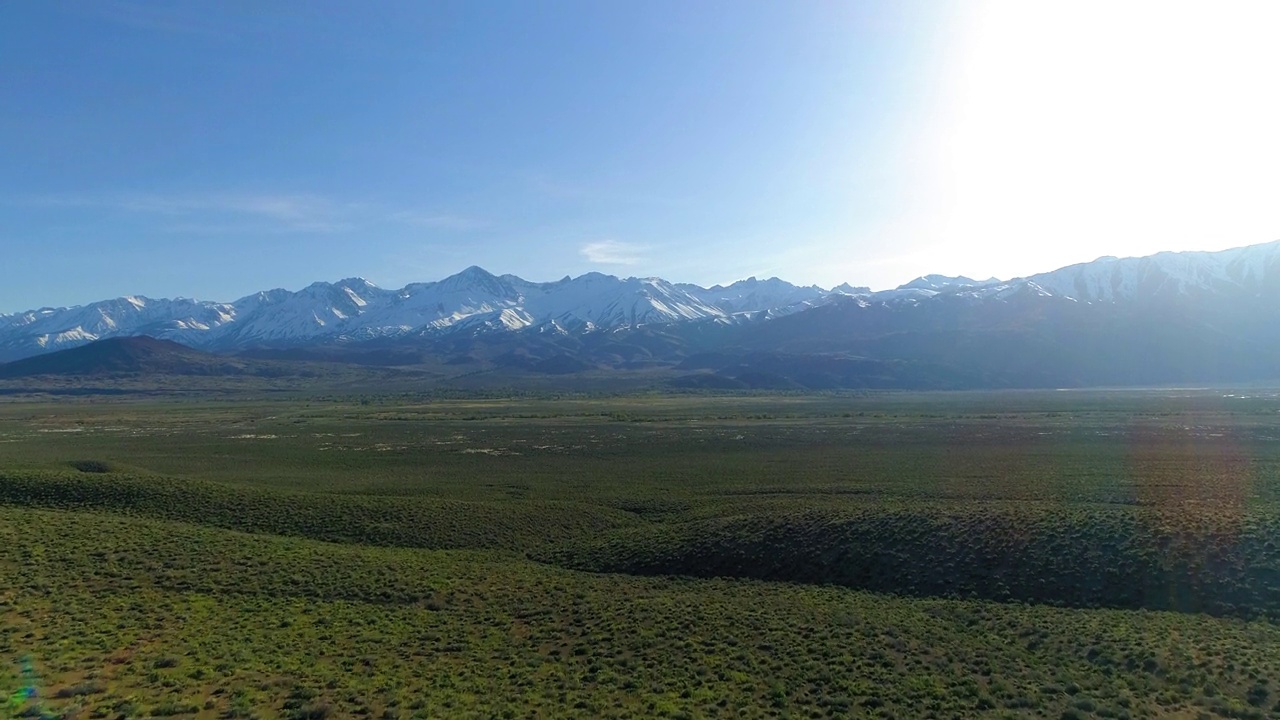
(598, 300)
(1247, 272)
(354, 309)
(475, 302)
(1236, 274)
(754, 296)
(47, 329)
(939, 283)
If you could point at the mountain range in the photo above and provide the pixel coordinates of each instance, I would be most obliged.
(1165, 318)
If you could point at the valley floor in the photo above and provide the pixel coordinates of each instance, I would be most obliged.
(899, 555)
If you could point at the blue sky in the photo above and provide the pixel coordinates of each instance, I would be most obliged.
(212, 149)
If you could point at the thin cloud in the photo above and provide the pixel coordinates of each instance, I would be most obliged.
(613, 252)
(301, 213)
(223, 212)
(439, 221)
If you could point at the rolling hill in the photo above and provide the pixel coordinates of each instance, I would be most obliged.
(141, 356)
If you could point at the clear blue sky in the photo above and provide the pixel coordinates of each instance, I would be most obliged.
(211, 149)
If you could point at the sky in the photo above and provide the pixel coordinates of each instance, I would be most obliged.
(213, 149)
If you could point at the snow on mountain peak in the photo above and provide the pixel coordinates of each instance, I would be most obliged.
(357, 284)
(938, 283)
(753, 295)
(476, 278)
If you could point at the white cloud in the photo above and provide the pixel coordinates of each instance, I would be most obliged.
(613, 252)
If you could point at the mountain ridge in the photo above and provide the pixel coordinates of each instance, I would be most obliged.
(607, 321)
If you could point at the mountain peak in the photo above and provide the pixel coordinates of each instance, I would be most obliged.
(356, 282)
(938, 283)
(477, 279)
(474, 271)
(847, 289)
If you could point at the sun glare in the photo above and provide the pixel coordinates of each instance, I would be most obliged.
(1078, 129)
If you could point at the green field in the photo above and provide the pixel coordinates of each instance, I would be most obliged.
(1060, 555)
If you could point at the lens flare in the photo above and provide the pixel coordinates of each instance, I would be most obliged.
(26, 699)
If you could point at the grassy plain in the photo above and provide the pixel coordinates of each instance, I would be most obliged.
(1070, 554)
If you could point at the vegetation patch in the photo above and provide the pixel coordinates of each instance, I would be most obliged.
(1212, 560)
(94, 466)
